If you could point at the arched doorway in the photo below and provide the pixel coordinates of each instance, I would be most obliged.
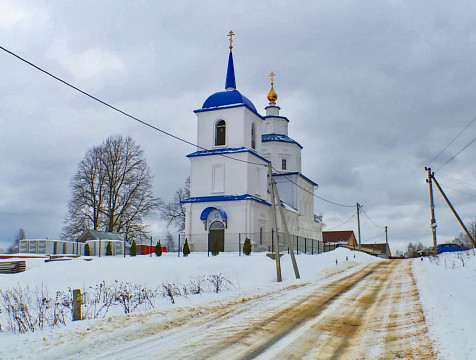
(216, 233)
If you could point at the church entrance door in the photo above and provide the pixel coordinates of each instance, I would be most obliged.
(217, 232)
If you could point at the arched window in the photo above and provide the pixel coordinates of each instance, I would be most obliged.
(220, 133)
(253, 136)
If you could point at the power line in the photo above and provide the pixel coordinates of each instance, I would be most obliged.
(459, 152)
(345, 222)
(382, 227)
(436, 156)
(458, 181)
(119, 110)
(458, 190)
(376, 236)
(319, 197)
(150, 125)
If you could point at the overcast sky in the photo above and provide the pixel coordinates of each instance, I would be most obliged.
(373, 90)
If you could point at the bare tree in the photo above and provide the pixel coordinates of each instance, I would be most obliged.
(174, 212)
(170, 242)
(111, 191)
(14, 248)
(412, 249)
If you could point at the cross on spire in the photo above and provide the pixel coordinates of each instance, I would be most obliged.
(230, 35)
(271, 76)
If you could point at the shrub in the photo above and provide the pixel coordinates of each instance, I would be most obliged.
(186, 248)
(87, 250)
(109, 249)
(247, 246)
(158, 249)
(215, 250)
(133, 248)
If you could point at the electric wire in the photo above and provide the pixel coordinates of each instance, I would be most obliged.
(382, 227)
(458, 190)
(119, 110)
(317, 196)
(468, 125)
(455, 155)
(150, 125)
(374, 237)
(457, 181)
(345, 222)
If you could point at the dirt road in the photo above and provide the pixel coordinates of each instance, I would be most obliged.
(372, 312)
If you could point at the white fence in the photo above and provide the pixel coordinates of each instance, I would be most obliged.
(54, 247)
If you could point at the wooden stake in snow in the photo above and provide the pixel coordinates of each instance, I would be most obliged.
(77, 300)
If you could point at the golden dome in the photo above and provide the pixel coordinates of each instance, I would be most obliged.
(272, 96)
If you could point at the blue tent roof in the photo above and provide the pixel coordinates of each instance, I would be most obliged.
(230, 74)
(230, 97)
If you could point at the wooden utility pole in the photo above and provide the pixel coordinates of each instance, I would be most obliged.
(432, 207)
(286, 232)
(358, 222)
(453, 210)
(274, 234)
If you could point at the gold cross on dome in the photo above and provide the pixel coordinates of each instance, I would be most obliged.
(271, 76)
(230, 35)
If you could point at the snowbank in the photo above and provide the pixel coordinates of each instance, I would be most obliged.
(447, 287)
(246, 272)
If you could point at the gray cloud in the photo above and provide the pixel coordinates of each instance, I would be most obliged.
(373, 91)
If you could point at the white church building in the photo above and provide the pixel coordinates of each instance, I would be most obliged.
(229, 193)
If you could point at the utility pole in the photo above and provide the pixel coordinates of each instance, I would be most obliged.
(286, 232)
(386, 242)
(274, 235)
(432, 207)
(454, 211)
(358, 222)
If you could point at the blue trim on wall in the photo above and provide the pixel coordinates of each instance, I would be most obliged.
(226, 151)
(199, 199)
(298, 173)
(204, 214)
(279, 137)
(229, 107)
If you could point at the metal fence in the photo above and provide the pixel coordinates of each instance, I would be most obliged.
(261, 242)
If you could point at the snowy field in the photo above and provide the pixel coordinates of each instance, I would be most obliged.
(447, 288)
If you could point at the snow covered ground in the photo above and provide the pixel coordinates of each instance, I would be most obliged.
(447, 289)
(448, 295)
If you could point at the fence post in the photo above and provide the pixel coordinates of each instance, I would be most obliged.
(77, 300)
(312, 247)
(239, 243)
(178, 246)
(305, 245)
(297, 244)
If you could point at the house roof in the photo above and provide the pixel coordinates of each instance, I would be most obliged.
(337, 236)
(380, 247)
(96, 235)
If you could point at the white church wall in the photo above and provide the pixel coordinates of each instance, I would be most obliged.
(238, 132)
(275, 151)
(243, 217)
(277, 126)
(287, 190)
(214, 175)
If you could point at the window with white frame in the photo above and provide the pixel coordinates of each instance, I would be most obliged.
(220, 133)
